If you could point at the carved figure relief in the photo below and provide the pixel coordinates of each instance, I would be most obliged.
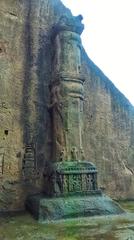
(1, 162)
(62, 155)
(55, 96)
(66, 184)
(82, 154)
(56, 108)
(72, 182)
(75, 182)
(74, 154)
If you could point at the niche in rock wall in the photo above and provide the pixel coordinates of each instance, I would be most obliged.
(3, 48)
(6, 132)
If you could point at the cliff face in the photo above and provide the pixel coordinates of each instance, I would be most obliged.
(25, 72)
(25, 122)
(109, 132)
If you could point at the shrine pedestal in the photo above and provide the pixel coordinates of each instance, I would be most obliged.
(47, 209)
(76, 194)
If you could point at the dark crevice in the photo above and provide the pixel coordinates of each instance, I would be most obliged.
(36, 132)
(43, 120)
(12, 14)
(6, 132)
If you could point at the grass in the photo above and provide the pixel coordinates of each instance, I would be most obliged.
(24, 227)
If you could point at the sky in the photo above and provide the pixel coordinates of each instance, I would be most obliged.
(108, 38)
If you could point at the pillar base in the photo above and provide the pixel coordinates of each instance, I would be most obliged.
(47, 209)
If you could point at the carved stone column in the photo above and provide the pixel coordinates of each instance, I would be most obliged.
(70, 175)
(73, 173)
(67, 90)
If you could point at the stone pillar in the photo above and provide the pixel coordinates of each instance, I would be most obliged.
(70, 175)
(67, 90)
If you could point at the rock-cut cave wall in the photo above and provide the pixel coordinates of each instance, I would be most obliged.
(25, 122)
(109, 132)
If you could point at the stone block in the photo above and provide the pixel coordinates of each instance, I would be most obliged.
(46, 209)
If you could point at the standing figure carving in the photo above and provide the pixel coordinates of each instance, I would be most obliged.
(57, 118)
(74, 154)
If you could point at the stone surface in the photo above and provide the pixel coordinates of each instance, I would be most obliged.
(46, 209)
(25, 74)
(109, 128)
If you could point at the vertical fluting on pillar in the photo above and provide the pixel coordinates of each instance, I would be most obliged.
(67, 90)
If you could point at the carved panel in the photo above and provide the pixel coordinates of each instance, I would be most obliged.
(77, 177)
(29, 163)
(66, 183)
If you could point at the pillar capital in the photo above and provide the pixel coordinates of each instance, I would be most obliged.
(72, 24)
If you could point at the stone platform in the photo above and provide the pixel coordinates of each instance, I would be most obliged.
(45, 209)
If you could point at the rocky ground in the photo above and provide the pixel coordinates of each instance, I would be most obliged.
(94, 228)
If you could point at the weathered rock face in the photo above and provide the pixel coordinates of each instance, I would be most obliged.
(25, 73)
(26, 56)
(109, 128)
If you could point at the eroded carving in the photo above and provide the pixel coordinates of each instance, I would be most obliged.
(72, 24)
(62, 155)
(3, 48)
(74, 154)
(2, 154)
(75, 177)
(55, 96)
(29, 170)
(3, 106)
